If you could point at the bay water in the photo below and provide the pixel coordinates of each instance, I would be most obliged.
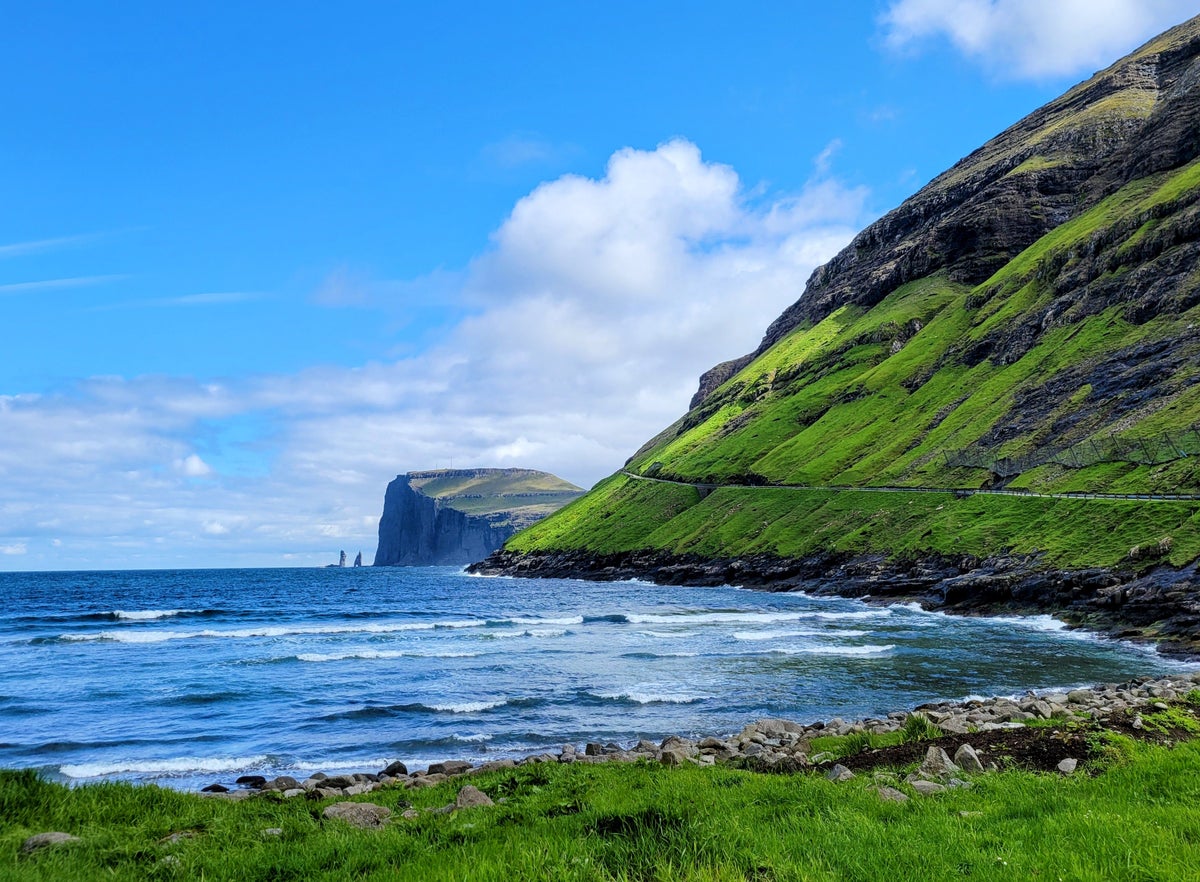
(189, 677)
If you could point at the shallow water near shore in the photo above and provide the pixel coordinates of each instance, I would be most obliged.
(189, 677)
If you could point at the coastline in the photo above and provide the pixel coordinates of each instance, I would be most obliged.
(1037, 731)
(1158, 605)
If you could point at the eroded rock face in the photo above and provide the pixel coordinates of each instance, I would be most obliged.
(419, 529)
(416, 530)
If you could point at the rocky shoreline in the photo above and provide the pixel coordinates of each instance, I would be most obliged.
(1038, 730)
(1158, 604)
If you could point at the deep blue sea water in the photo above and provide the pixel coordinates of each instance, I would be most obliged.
(188, 677)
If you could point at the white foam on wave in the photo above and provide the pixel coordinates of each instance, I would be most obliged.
(166, 767)
(783, 635)
(838, 650)
(569, 620)
(147, 615)
(161, 635)
(467, 707)
(477, 738)
(748, 617)
(377, 654)
(1045, 624)
(648, 695)
(668, 635)
(527, 632)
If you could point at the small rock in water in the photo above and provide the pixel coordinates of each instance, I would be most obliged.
(214, 788)
(1068, 765)
(47, 840)
(395, 769)
(253, 781)
(364, 815)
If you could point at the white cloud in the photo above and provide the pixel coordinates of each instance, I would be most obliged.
(1033, 38)
(15, 549)
(592, 313)
(193, 466)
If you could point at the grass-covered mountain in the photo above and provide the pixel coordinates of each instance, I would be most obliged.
(455, 516)
(1029, 320)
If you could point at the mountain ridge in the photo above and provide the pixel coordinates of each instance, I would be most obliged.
(1028, 320)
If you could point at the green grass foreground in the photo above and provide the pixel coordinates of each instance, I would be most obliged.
(1138, 819)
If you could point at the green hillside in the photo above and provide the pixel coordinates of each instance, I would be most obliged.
(1027, 321)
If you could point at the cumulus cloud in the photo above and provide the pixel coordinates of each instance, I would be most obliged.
(1032, 38)
(589, 316)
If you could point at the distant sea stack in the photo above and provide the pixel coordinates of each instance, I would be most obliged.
(451, 517)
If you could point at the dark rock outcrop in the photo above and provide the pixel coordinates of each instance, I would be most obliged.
(1159, 604)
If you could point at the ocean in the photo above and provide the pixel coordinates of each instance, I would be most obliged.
(189, 677)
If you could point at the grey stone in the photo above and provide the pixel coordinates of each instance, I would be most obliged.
(927, 788)
(673, 758)
(365, 815)
(271, 832)
(1068, 765)
(456, 767)
(471, 797)
(891, 794)
(937, 764)
(967, 759)
(283, 782)
(294, 792)
(839, 773)
(395, 769)
(427, 781)
(47, 840)
(497, 765)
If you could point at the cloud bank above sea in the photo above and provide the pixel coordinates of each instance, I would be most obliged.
(588, 318)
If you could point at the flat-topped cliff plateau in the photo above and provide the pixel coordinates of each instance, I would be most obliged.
(455, 516)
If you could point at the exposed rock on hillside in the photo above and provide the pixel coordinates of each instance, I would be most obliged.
(452, 517)
(1137, 118)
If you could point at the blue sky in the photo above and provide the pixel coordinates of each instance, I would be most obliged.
(258, 258)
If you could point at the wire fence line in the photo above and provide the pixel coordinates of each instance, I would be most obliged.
(1150, 450)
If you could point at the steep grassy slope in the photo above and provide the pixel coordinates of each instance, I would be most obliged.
(1029, 320)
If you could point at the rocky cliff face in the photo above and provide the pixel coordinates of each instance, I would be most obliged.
(1135, 119)
(454, 517)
